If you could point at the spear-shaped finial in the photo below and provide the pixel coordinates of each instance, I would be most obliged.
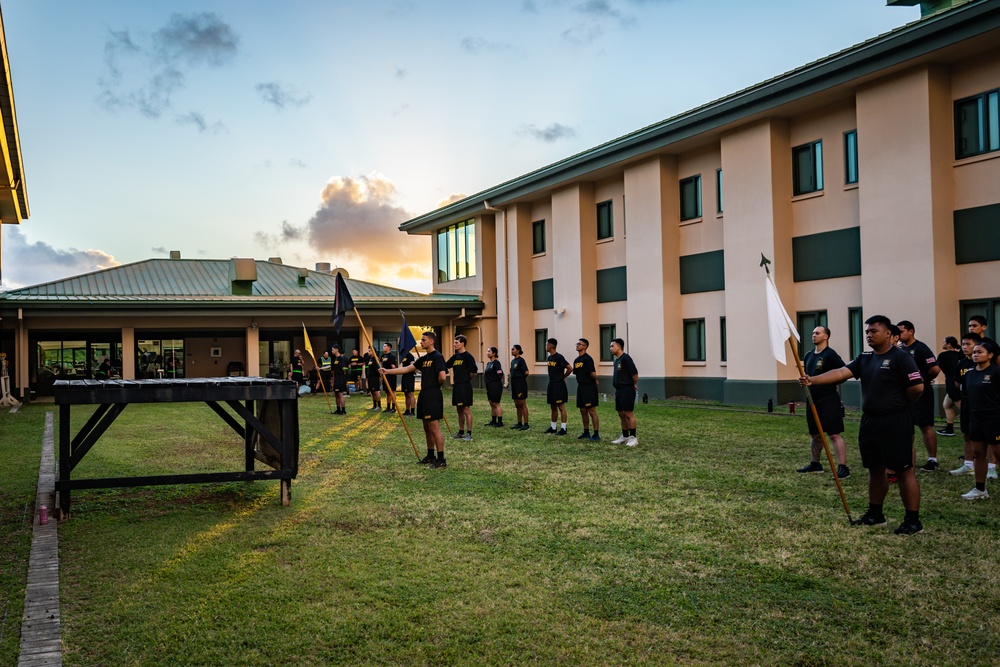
(764, 261)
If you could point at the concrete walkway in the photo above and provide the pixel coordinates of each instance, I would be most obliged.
(41, 642)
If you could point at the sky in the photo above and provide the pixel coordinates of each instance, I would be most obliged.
(309, 130)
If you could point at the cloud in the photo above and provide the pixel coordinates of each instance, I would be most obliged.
(159, 250)
(400, 109)
(550, 134)
(477, 45)
(297, 163)
(28, 263)
(145, 75)
(397, 71)
(356, 225)
(450, 199)
(282, 96)
(198, 120)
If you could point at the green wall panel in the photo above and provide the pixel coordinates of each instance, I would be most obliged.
(612, 285)
(977, 234)
(542, 294)
(704, 272)
(827, 255)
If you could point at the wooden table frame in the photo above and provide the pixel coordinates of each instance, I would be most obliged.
(239, 393)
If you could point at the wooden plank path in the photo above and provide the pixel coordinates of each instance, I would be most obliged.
(41, 642)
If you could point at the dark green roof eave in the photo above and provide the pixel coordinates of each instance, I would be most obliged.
(893, 48)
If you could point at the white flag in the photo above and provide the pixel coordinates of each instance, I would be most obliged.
(779, 324)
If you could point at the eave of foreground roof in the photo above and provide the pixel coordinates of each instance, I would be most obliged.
(13, 194)
(879, 53)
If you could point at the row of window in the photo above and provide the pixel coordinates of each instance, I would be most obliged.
(608, 334)
(456, 251)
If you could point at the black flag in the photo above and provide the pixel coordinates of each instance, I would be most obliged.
(342, 303)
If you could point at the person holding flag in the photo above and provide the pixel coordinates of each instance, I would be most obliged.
(388, 360)
(409, 380)
(338, 366)
(430, 403)
(325, 370)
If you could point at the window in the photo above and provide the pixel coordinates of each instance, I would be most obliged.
(608, 333)
(718, 191)
(807, 168)
(694, 340)
(722, 337)
(977, 124)
(691, 198)
(857, 331)
(457, 251)
(541, 335)
(605, 220)
(808, 321)
(851, 157)
(538, 237)
(988, 308)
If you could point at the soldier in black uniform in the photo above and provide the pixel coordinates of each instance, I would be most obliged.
(826, 398)
(948, 359)
(890, 384)
(923, 409)
(388, 360)
(325, 371)
(463, 369)
(408, 383)
(296, 373)
(493, 374)
(626, 383)
(372, 366)
(586, 390)
(355, 364)
(982, 387)
(557, 394)
(338, 369)
(519, 388)
(430, 404)
(966, 364)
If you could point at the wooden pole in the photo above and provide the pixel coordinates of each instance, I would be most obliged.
(385, 382)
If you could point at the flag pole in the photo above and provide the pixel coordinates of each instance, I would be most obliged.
(764, 261)
(316, 365)
(385, 381)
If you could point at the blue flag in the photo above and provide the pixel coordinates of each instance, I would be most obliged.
(342, 302)
(406, 341)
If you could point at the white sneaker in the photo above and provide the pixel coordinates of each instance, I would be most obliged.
(976, 494)
(962, 470)
(632, 441)
(619, 440)
(991, 473)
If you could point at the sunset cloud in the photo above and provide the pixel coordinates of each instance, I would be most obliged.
(27, 263)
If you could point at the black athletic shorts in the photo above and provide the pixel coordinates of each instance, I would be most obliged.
(326, 376)
(461, 395)
(494, 392)
(374, 382)
(625, 399)
(887, 440)
(556, 394)
(965, 420)
(430, 405)
(923, 409)
(391, 379)
(984, 430)
(408, 382)
(586, 396)
(518, 388)
(831, 416)
(340, 383)
(954, 393)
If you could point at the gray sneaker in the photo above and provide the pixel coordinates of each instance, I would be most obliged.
(467, 437)
(458, 436)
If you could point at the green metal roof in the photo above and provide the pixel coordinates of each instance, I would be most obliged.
(890, 49)
(197, 281)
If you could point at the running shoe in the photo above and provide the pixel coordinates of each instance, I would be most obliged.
(962, 470)
(812, 467)
(930, 466)
(619, 440)
(549, 430)
(632, 441)
(843, 472)
(869, 519)
(991, 473)
(561, 431)
(909, 528)
(440, 463)
(946, 432)
(976, 494)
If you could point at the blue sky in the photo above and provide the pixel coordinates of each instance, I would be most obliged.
(310, 130)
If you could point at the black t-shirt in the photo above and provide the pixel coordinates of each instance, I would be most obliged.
(493, 373)
(297, 364)
(947, 361)
(983, 389)
(338, 365)
(624, 371)
(463, 367)
(518, 368)
(407, 360)
(389, 360)
(884, 380)
(355, 362)
(371, 361)
(924, 358)
(557, 367)
(964, 366)
(583, 366)
(817, 363)
(430, 366)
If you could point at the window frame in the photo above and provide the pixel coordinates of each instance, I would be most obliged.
(718, 191)
(606, 227)
(541, 335)
(822, 320)
(686, 211)
(456, 251)
(856, 331)
(722, 340)
(538, 237)
(851, 173)
(699, 324)
(988, 125)
(814, 151)
(612, 332)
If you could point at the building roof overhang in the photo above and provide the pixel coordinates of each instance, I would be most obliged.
(13, 195)
(945, 37)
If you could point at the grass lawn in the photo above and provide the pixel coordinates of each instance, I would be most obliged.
(700, 546)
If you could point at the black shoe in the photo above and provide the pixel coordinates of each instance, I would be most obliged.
(517, 427)
(812, 467)
(525, 427)
(909, 527)
(427, 459)
(583, 436)
(930, 466)
(440, 463)
(869, 519)
(843, 472)
(549, 430)
(947, 432)
(561, 431)
(489, 424)
(389, 410)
